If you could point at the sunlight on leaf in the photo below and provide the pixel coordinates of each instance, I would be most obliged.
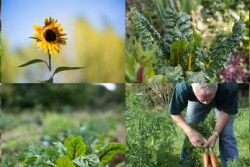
(59, 69)
(33, 62)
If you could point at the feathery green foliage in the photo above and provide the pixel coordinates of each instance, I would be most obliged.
(150, 133)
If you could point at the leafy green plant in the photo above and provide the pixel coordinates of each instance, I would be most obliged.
(149, 133)
(71, 153)
(138, 61)
(179, 51)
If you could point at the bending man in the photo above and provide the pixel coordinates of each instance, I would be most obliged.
(199, 99)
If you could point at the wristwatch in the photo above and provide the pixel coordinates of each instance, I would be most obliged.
(215, 133)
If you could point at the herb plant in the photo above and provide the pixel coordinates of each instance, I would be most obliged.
(150, 133)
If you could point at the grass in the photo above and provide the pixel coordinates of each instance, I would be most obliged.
(241, 126)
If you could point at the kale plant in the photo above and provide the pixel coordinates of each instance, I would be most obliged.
(180, 54)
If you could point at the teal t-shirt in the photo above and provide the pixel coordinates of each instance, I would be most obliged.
(225, 99)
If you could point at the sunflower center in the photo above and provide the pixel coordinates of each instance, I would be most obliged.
(50, 35)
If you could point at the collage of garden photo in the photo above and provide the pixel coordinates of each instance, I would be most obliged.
(115, 83)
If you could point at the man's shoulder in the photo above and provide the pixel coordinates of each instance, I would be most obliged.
(183, 87)
(230, 87)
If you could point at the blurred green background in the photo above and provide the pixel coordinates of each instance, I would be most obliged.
(95, 32)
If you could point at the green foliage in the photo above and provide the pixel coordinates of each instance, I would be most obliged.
(239, 162)
(87, 161)
(149, 133)
(106, 154)
(137, 58)
(177, 49)
(148, 36)
(64, 161)
(69, 154)
(181, 46)
(75, 147)
(214, 60)
(66, 97)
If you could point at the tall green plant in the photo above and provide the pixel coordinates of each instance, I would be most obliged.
(180, 48)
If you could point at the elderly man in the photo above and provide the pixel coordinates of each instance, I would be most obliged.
(199, 99)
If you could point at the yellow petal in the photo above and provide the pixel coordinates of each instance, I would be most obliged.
(37, 27)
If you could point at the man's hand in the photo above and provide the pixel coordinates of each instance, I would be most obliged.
(211, 141)
(196, 138)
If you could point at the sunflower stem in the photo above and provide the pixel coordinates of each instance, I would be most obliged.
(50, 67)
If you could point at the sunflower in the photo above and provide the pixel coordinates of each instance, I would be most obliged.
(50, 36)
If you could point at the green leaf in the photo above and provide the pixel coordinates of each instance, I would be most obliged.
(33, 62)
(64, 161)
(60, 148)
(47, 81)
(49, 163)
(33, 37)
(110, 151)
(196, 77)
(177, 52)
(156, 79)
(150, 142)
(59, 69)
(87, 161)
(75, 147)
(31, 158)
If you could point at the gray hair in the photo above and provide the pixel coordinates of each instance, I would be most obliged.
(205, 88)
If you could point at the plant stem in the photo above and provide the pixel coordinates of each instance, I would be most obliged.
(50, 74)
(49, 62)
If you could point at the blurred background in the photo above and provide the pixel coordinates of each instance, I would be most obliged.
(43, 114)
(95, 32)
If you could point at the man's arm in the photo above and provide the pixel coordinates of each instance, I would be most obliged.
(195, 137)
(220, 124)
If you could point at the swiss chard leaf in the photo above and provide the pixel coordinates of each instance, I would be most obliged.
(75, 147)
(110, 151)
(64, 161)
(177, 50)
